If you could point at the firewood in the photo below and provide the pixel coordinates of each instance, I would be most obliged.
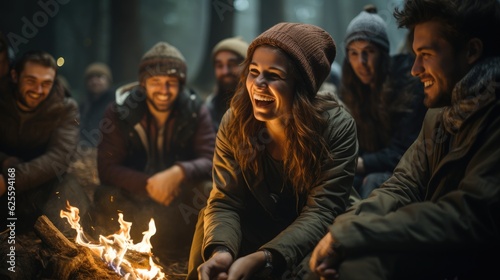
(63, 267)
(51, 236)
(138, 259)
(94, 267)
(66, 260)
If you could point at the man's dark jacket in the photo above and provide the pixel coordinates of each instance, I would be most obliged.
(42, 141)
(189, 140)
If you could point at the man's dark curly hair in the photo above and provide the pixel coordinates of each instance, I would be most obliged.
(461, 20)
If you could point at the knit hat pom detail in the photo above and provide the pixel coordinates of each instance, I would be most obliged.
(368, 26)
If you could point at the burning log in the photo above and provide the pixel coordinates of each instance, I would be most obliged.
(138, 259)
(45, 253)
(132, 261)
(49, 234)
(67, 260)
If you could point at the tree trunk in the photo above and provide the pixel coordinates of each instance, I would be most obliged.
(221, 27)
(270, 13)
(125, 47)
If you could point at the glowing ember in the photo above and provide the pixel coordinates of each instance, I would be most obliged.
(118, 250)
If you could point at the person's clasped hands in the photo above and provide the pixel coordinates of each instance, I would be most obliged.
(163, 187)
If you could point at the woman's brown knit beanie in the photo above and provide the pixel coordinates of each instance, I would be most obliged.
(312, 49)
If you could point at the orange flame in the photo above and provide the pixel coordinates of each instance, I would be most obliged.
(113, 248)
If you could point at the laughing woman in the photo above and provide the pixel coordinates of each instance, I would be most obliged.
(283, 165)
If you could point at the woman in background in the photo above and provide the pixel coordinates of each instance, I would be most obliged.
(382, 96)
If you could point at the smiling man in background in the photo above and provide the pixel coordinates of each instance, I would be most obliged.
(156, 155)
(227, 56)
(39, 135)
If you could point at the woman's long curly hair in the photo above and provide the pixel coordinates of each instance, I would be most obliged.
(375, 110)
(305, 148)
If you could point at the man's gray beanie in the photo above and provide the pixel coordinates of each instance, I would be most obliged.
(367, 26)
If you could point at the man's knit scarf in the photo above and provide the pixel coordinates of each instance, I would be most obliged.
(473, 92)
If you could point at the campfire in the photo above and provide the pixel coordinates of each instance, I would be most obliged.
(129, 260)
